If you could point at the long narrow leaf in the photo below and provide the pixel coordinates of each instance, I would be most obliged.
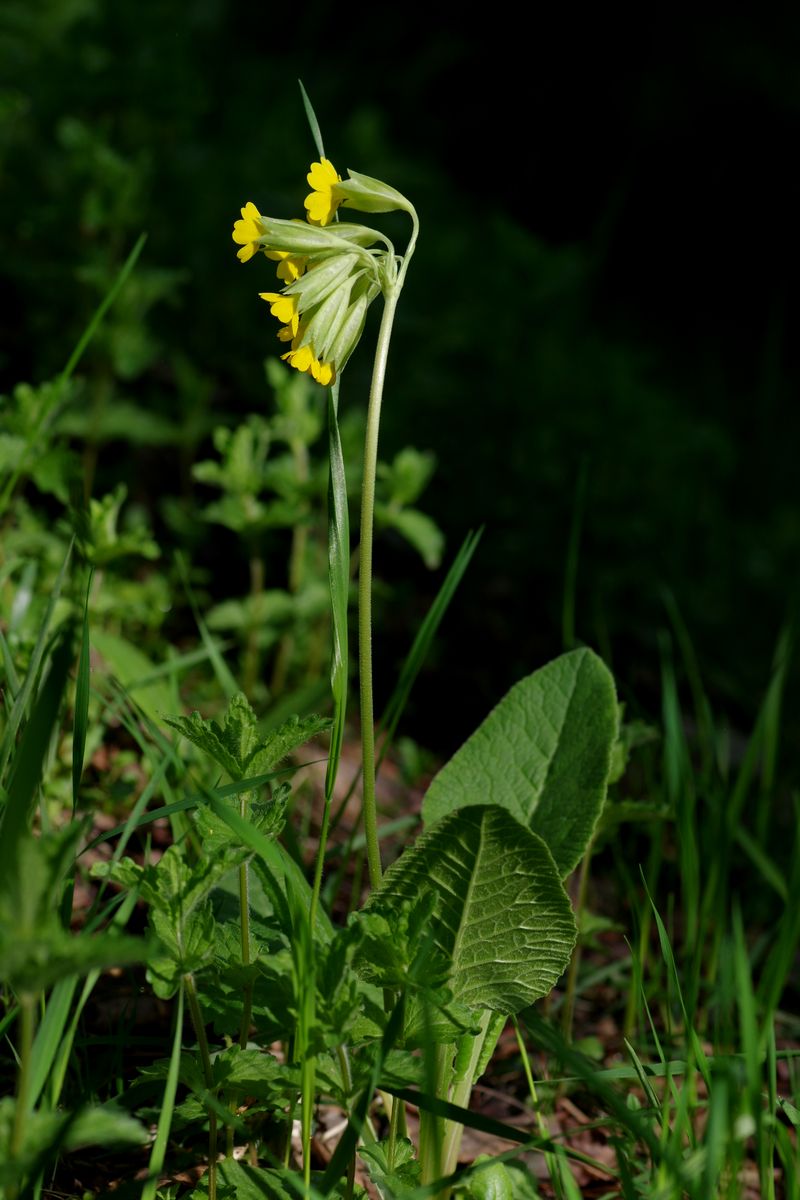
(26, 773)
(424, 637)
(313, 123)
(159, 1150)
(81, 719)
(25, 692)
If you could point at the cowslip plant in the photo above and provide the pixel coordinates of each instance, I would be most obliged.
(477, 908)
(331, 274)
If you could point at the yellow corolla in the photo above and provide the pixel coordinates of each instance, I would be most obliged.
(247, 232)
(284, 308)
(323, 202)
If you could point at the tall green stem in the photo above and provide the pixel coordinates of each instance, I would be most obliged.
(27, 1022)
(205, 1063)
(365, 564)
(244, 917)
(365, 589)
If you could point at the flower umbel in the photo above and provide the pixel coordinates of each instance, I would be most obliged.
(323, 202)
(331, 272)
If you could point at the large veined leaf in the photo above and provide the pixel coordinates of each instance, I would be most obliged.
(543, 753)
(502, 919)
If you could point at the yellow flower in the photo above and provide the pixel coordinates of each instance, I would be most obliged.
(290, 266)
(284, 308)
(304, 359)
(247, 232)
(322, 203)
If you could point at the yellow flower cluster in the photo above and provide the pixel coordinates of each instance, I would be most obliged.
(330, 275)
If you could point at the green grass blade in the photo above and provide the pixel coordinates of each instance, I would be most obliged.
(159, 1150)
(672, 971)
(81, 719)
(766, 867)
(313, 123)
(12, 679)
(783, 953)
(424, 638)
(221, 670)
(641, 1074)
(28, 765)
(23, 696)
(102, 308)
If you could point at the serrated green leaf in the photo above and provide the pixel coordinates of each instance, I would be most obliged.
(543, 753)
(503, 921)
(253, 1073)
(208, 737)
(180, 913)
(401, 1176)
(280, 743)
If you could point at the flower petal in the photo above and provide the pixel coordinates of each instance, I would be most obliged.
(323, 175)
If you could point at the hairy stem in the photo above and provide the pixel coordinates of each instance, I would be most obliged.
(365, 590)
(365, 564)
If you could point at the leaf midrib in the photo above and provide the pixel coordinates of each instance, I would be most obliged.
(570, 697)
(468, 898)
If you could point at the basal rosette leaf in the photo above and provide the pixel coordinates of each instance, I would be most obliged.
(502, 919)
(544, 754)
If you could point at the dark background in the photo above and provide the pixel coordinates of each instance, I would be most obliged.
(605, 289)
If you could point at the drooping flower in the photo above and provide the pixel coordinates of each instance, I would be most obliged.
(290, 266)
(247, 232)
(330, 275)
(304, 359)
(322, 202)
(284, 308)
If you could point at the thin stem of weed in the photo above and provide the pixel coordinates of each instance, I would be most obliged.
(27, 1024)
(568, 1010)
(205, 1063)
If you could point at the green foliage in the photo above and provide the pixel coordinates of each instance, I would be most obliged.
(179, 910)
(47, 1134)
(543, 753)
(35, 949)
(502, 922)
(236, 745)
(393, 1169)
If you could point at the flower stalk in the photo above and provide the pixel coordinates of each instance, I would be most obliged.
(332, 273)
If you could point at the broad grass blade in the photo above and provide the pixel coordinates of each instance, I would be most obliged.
(25, 692)
(26, 772)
